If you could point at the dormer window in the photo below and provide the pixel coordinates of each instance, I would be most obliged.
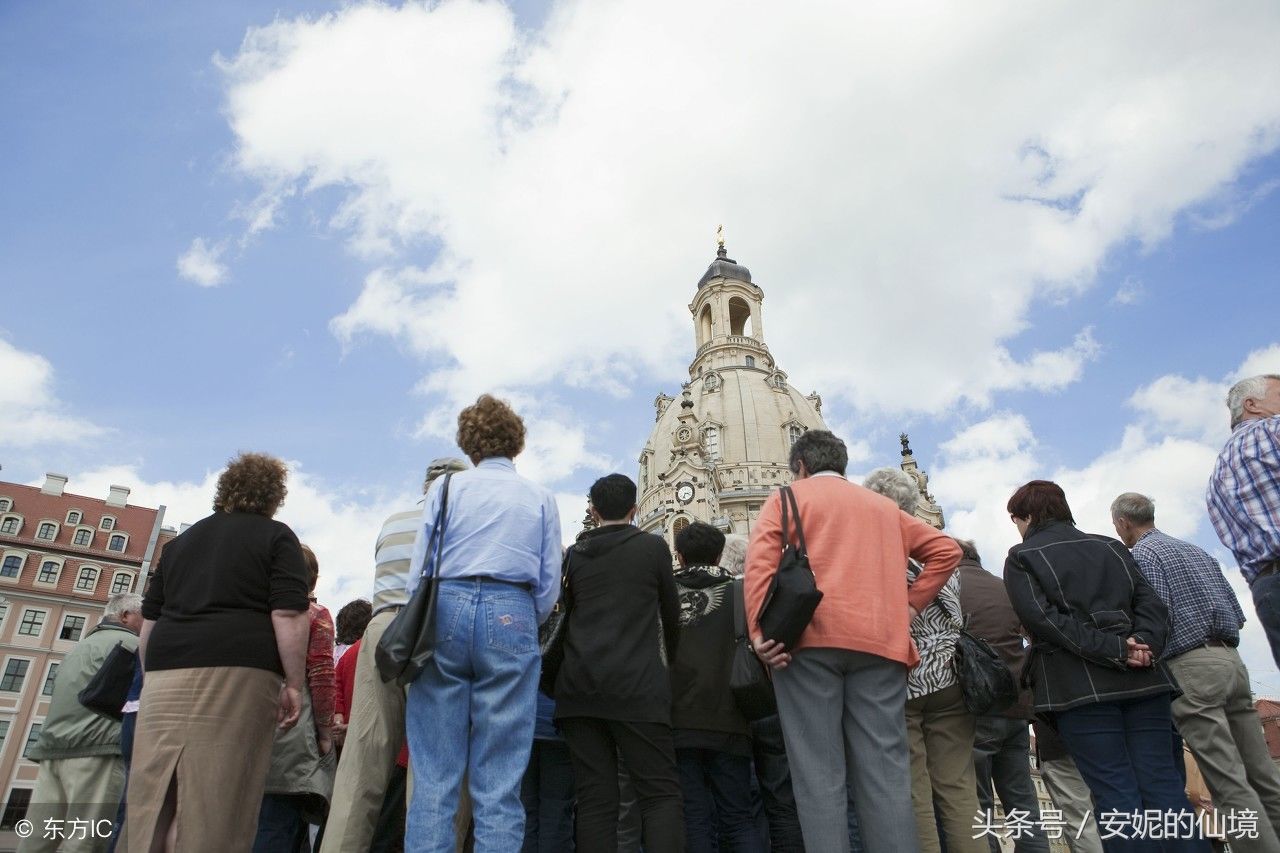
(10, 524)
(47, 530)
(117, 542)
(107, 523)
(5, 504)
(74, 517)
(83, 537)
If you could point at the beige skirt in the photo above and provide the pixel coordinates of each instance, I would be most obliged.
(210, 729)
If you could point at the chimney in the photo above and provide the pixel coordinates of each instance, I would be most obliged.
(54, 484)
(118, 495)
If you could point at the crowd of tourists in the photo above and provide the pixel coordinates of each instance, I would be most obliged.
(846, 678)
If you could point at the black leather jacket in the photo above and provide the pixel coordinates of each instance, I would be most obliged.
(1080, 596)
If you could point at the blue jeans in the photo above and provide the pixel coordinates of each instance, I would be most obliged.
(281, 828)
(774, 778)
(1124, 752)
(1266, 601)
(717, 801)
(472, 710)
(548, 795)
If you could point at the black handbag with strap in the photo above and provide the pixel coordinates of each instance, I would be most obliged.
(748, 682)
(793, 594)
(108, 690)
(408, 643)
(552, 633)
(988, 685)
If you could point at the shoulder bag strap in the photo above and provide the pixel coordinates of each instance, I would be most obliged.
(789, 495)
(431, 564)
(739, 610)
(786, 532)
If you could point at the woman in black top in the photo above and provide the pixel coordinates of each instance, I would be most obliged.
(613, 693)
(224, 645)
(1097, 630)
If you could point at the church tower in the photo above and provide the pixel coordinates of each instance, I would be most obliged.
(719, 449)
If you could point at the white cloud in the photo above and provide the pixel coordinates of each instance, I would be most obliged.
(1131, 292)
(949, 168)
(32, 413)
(202, 264)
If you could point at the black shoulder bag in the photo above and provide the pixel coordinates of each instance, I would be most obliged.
(108, 690)
(793, 594)
(408, 644)
(988, 685)
(552, 633)
(752, 690)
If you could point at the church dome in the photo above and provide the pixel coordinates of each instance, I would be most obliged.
(725, 267)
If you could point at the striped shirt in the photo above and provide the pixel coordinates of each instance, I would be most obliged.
(1244, 495)
(1202, 605)
(935, 632)
(392, 556)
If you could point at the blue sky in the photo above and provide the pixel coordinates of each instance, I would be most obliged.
(1040, 253)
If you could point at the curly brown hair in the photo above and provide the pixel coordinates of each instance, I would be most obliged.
(489, 428)
(252, 482)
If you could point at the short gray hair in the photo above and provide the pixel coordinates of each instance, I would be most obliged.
(1134, 508)
(896, 485)
(1253, 387)
(122, 603)
(734, 556)
(439, 467)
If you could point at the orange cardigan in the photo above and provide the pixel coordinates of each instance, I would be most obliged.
(858, 544)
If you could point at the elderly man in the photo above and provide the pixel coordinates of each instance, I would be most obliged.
(375, 733)
(1215, 713)
(842, 691)
(81, 769)
(1244, 495)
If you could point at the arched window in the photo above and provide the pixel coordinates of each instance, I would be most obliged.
(681, 523)
(117, 542)
(73, 517)
(704, 325)
(83, 537)
(793, 433)
(12, 566)
(5, 504)
(751, 362)
(711, 442)
(48, 530)
(48, 572)
(107, 523)
(739, 316)
(10, 524)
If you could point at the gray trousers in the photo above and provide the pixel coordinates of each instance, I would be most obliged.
(1217, 719)
(1072, 797)
(844, 724)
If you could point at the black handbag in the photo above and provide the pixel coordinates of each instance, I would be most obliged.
(748, 682)
(108, 690)
(793, 594)
(408, 644)
(988, 685)
(551, 634)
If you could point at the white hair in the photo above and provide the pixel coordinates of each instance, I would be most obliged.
(734, 555)
(1135, 508)
(1245, 389)
(122, 603)
(896, 485)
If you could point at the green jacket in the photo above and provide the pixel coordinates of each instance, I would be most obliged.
(70, 729)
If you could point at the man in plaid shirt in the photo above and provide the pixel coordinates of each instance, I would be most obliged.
(1215, 713)
(1244, 495)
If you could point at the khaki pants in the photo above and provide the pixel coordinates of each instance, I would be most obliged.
(940, 732)
(1216, 717)
(375, 734)
(1072, 797)
(79, 797)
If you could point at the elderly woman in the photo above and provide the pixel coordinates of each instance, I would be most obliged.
(472, 709)
(224, 644)
(939, 727)
(1097, 630)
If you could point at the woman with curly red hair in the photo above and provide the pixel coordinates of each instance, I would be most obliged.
(473, 707)
(224, 643)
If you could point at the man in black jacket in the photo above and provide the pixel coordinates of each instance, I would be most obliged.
(613, 693)
(713, 746)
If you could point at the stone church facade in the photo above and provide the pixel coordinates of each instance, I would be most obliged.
(718, 449)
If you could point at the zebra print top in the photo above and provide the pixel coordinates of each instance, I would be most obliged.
(935, 632)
